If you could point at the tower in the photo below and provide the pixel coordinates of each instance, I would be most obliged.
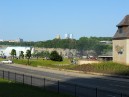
(121, 42)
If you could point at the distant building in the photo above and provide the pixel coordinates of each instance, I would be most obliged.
(105, 58)
(66, 36)
(11, 40)
(19, 40)
(121, 42)
(71, 36)
(58, 37)
(106, 42)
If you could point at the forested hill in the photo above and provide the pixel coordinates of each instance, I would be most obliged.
(84, 43)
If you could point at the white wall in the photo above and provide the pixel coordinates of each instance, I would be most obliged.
(8, 50)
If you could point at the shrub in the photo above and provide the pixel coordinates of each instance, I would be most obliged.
(55, 56)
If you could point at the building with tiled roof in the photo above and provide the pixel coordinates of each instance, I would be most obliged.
(121, 42)
(123, 29)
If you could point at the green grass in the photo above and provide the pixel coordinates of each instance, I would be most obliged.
(105, 67)
(41, 62)
(11, 89)
(65, 64)
(112, 68)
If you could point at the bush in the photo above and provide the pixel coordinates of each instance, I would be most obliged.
(55, 56)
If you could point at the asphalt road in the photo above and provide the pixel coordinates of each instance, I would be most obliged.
(107, 87)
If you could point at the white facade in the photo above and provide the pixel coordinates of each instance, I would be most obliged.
(66, 36)
(8, 50)
(71, 36)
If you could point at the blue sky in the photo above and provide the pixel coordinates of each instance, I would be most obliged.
(38, 20)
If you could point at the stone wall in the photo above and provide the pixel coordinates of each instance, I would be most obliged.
(63, 52)
(121, 51)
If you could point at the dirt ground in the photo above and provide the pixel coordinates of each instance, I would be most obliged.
(80, 62)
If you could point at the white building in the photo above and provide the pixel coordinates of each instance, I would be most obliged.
(71, 36)
(6, 52)
(66, 36)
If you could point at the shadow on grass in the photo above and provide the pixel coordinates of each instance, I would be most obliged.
(11, 89)
(88, 86)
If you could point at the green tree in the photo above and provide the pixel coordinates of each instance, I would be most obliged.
(55, 56)
(46, 54)
(21, 54)
(13, 53)
(28, 55)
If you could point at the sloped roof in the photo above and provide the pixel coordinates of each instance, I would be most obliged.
(121, 33)
(124, 22)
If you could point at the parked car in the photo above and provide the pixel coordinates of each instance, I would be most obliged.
(7, 61)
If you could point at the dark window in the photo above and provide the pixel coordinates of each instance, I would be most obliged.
(120, 29)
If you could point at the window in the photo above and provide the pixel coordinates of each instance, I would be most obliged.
(120, 29)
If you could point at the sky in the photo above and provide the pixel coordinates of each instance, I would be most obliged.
(40, 20)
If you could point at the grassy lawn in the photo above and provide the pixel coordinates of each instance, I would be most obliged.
(41, 62)
(10, 89)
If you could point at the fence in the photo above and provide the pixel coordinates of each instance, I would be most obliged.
(60, 87)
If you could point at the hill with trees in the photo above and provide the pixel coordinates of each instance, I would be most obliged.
(82, 44)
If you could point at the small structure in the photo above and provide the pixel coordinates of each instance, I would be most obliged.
(121, 42)
(105, 58)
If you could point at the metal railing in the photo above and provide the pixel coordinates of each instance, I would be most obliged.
(58, 86)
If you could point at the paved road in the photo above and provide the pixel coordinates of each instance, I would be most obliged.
(101, 82)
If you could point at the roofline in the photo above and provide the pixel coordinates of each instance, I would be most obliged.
(120, 38)
(122, 25)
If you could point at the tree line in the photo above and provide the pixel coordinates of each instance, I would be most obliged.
(54, 56)
(84, 43)
(27, 55)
